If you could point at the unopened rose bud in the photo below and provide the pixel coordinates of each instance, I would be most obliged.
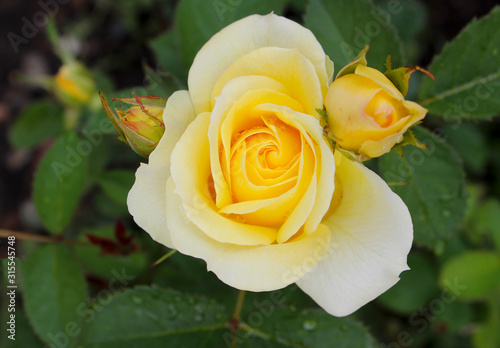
(74, 84)
(140, 126)
(367, 114)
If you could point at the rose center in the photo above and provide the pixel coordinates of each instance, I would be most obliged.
(384, 109)
(265, 160)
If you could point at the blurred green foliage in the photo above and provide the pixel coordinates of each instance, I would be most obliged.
(106, 294)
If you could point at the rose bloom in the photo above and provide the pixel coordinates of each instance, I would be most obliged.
(243, 178)
(367, 114)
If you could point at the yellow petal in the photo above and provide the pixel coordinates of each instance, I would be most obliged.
(379, 78)
(232, 114)
(287, 66)
(324, 173)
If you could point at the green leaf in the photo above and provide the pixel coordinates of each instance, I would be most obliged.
(470, 142)
(467, 73)
(54, 293)
(59, 181)
(405, 297)
(477, 274)
(408, 139)
(189, 273)
(105, 206)
(435, 187)
(410, 19)
(168, 56)
(198, 20)
(116, 184)
(154, 317)
(345, 27)
(273, 326)
(38, 121)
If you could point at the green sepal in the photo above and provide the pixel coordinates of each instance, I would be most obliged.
(112, 117)
(408, 139)
(323, 121)
(400, 77)
(351, 155)
(150, 101)
(327, 134)
(141, 145)
(359, 60)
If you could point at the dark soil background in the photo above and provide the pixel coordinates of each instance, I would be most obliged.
(108, 36)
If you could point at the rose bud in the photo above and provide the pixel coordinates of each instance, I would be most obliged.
(367, 114)
(74, 84)
(141, 126)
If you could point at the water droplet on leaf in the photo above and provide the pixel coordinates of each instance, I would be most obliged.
(309, 325)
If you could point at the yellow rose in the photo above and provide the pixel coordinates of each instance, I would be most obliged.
(243, 178)
(367, 114)
(74, 84)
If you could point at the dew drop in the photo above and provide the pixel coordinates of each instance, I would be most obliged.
(445, 213)
(199, 308)
(309, 325)
(171, 312)
(447, 197)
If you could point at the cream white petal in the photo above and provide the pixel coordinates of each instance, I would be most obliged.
(244, 36)
(146, 199)
(177, 116)
(371, 235)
